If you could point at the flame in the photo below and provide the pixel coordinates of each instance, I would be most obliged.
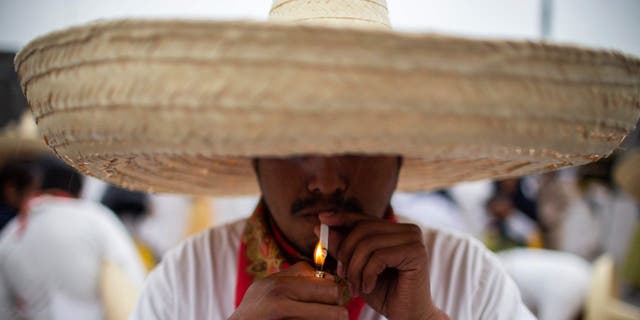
(319, 255)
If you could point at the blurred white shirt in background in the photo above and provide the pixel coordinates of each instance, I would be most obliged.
(50, 264)
(553, 284)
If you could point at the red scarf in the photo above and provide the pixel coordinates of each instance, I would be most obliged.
(264, 251)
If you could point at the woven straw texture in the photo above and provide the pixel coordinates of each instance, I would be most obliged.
(368, 14)
(21, 140)
(182, 106)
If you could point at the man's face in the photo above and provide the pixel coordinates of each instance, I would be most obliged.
(297, 189)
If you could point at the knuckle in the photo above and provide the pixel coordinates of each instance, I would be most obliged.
(414, 229)
(277, 287)
(320, 287)
(360, 250)
(277, 292)
(333, 292)
(378, 262)
(377, 258)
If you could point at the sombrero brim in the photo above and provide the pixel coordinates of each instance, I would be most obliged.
(182, 106)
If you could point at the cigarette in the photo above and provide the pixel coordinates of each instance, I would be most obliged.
(324, 235)
(320, 253)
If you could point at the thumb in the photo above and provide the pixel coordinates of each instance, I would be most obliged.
(300, 269)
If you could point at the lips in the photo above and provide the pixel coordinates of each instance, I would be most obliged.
(314, 211)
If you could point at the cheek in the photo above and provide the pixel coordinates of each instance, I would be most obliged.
(374, 189)
(280, 187)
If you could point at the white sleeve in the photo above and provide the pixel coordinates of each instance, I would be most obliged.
(497, 297)
(156, 300)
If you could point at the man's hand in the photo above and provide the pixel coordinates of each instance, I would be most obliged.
(384, 262)
(292, 294)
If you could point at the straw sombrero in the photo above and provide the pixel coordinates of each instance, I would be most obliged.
(183, 106)
(20, 140)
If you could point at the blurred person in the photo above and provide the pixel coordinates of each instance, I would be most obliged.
(513, 188)
(507, 226)
(627, 177)
(332, 120)
(569, 222)
(58, 259)
(614, 211)
(471, 198)
(274, 244)
(553, 284)
(18, 182)
(132, 207)
(19, 176)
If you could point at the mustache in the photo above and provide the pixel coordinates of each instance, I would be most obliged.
(337, 200)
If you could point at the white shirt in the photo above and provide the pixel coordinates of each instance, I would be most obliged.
(50, 268)
(197, 280)
(553, 283)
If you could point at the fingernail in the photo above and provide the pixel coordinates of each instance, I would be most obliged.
(316, 230)
(340, 270)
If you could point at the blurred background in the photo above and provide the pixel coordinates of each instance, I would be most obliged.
(562, 236)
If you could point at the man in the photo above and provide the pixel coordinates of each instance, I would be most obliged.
(332, 119)
(56, 257)
(239, 271)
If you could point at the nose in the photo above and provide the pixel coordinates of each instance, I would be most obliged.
(326, 176)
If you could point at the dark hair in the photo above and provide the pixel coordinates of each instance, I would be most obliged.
(19, 173)
(125, 203)
(599, 171)
(57, 175)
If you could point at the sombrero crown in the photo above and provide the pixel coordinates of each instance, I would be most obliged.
(183, 106)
